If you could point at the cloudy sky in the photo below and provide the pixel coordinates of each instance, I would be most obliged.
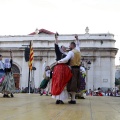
(21, 17)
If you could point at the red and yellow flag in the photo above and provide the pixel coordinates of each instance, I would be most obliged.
(31, 55)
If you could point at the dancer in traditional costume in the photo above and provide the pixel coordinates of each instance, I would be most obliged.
(46, 80)
(82, 81)
(60, 78)
(8, 85)
(81, 93)
(74, 56)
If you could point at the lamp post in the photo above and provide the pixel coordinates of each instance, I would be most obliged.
(86, 64)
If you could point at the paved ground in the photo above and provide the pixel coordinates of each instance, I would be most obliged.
(35, 107)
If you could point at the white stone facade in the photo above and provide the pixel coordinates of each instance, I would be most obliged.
(98, 48)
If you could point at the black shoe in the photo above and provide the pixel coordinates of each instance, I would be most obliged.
(72, 102)
(11, 95)
(46, 94)
(57, 101)
(82, 98)
(4, 95)
(41, 94)
(7, 96)
(61, 102)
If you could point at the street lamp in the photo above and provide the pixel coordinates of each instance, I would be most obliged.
(33, 68)
(86, 64)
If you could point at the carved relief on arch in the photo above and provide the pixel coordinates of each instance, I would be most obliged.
(16, 68)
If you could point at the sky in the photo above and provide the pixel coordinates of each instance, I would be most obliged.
(21, 17)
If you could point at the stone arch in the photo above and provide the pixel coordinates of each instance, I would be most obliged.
(17, 66)
(15, 69)
(16, 75)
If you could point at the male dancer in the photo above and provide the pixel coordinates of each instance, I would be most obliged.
(74, 56)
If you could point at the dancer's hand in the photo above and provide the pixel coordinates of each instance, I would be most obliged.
(57, 62)
(10, 53)
(76, 36)
(56, 38)
(56, 35)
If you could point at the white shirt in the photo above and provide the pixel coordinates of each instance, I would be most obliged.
(48, 73)
(82, 69)
(70, 53)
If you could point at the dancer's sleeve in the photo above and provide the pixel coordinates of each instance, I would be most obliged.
(68, 57)
(11, 62)
(78, 45)
(57, 50)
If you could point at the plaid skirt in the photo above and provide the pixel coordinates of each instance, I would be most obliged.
(8, 85)
(43, 84)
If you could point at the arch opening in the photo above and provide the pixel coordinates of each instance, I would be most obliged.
(16, 75)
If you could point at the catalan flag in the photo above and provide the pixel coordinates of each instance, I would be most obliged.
(31, 55)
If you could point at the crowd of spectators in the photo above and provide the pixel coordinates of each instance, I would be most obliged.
(104, 92)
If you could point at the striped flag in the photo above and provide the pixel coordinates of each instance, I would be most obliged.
(31, 56)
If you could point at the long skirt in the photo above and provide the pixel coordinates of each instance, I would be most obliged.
(62, 96)
(82, 82)
(61, 76)
(44, 83)
(8, 85)
(74, 83)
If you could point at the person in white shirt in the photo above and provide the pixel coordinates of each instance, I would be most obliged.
(46, 80)
(82, 81)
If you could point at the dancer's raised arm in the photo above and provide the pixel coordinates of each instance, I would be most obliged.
(11, 61)
(56, 38)
(10, 54)
(77, 42)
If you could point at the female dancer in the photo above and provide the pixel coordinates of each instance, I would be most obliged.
(8, 85)
(2, 71)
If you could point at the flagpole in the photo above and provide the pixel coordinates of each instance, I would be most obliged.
(30, 65)
(29, 75)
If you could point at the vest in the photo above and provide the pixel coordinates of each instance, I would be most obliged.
(75, 61)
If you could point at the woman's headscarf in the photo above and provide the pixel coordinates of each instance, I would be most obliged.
(62, 50)
(7, 63)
